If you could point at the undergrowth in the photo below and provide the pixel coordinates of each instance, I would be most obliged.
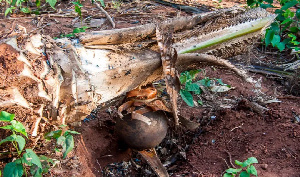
(26, 6)
(192, 87)
(283, 32)
(246, 168)
(24, 159)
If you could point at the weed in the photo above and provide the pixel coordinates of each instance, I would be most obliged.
(101, 2)
(16, 127)
(116, 4)
(64, 140)
(14, 4)
(187, 79)
(246, 168)
(52, 3)
(282, 32)
(38, 164)
(75, 31)
(78, 7)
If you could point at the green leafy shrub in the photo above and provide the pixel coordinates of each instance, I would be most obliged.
(16, 127)
(246, 168)
(38, 164)
(194, 87)
(64, 140)
(282, 33)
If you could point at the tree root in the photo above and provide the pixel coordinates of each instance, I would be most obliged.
(183, 59)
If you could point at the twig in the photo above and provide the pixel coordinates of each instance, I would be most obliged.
(257, 108)
(61, 15)
(12, 18)
(42, 27)
(83, 144)
(230, 160)
(269, 71)
(106, 14)
(224, 161)
(98, 164)
(109, 155)
(237, 127)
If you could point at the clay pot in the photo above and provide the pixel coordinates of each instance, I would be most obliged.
(142, 133)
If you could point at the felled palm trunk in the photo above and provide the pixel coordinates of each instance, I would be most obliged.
(63, 80)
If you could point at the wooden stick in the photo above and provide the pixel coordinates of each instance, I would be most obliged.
(106, 14)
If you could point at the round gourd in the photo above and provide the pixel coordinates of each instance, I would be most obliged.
(143, 133)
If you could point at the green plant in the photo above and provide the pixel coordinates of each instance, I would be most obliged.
(38, 164)
(52, 3)
(16, 3)
(187, 79)
(16, 127)
(78, 7)
(246, 168)
(64, 139)
(116, 4)
(282, 32)
(102, 3)
(75, 30)
(13, 4)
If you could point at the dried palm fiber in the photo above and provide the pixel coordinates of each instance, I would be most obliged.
(63, 80)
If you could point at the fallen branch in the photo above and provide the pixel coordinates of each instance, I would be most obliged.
(106, 14)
